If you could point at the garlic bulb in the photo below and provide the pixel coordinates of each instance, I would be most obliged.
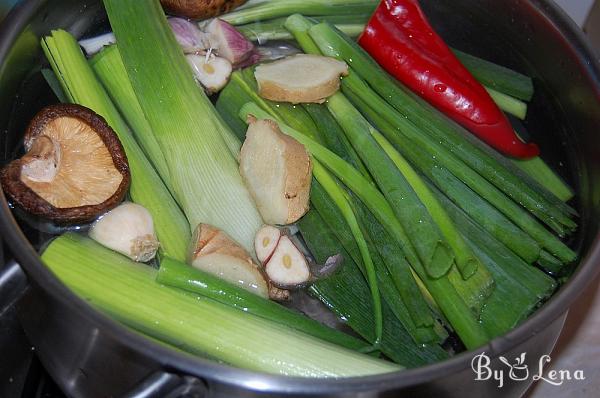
(127, 229)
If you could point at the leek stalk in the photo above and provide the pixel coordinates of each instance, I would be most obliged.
(111, 72)
(176, 274)
(81, 86)
(466, 261)
(418, 324)
(128, 292)
(203, 173)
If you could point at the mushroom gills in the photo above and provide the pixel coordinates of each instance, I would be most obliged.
(84, 174)
(40, 163)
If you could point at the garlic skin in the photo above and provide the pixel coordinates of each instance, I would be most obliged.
(129, 230)
(229, 43)
(189, 36)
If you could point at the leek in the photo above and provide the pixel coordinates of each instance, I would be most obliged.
(81, 86)
(176, 274)
(479, 209)
(111, 72)
(466, 261)
(128, 292)
(203, 173)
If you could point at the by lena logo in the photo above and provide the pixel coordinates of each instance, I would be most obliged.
(518, 370)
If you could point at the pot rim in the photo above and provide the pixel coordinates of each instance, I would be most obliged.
(179, 362)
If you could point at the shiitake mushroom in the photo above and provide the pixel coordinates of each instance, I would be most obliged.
(200, 9)
(74, 168)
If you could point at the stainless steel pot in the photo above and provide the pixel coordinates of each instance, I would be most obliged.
(91, 355)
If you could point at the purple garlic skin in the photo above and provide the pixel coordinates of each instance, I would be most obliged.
(189, 36)
(231, 44)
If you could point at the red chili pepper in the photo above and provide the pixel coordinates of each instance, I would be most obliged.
(403, 42)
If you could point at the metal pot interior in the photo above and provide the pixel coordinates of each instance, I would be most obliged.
(530, 36)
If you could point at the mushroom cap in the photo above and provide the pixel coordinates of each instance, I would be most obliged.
(88, 172)
(200, 9)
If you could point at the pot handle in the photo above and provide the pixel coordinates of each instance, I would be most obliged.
(163, 384)
(13, 283)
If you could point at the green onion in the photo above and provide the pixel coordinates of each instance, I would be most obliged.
(517, 283)
(437, 129)
(273, 29)
(424, 235)
(419, 325)
(537, 169)
(478, 208)
(549, 262)
(334, 138)
(176, 274)
(508, 104)
(445, 157)
(278, 8)
(433, 251)
(128, 292)
(441, 289)
(498, 77)
(466, 261)
(203, 173)
(81, 86)
(338, 196)
(344, 292)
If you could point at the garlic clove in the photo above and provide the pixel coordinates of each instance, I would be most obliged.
(212, 72)
(129, 230)
(265, 242)
(287, 267)
(232, 45)
(189, 36)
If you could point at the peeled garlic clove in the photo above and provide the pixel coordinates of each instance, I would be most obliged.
(287, 267)
(212, 72)
(265, 241)
(127, 229)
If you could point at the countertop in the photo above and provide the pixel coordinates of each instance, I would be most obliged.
(578, 348)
